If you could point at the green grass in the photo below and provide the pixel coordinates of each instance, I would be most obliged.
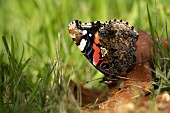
(38, 58)
(50, 93)
(161, 58)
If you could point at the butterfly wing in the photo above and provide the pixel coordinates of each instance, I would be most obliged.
(109, 46)
(86, 37)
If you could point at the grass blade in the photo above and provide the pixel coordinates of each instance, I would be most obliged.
(6, 45)
(150, 23)
(12, 47)
(23, 66)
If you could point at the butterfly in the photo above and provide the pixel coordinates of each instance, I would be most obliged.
(109, 46)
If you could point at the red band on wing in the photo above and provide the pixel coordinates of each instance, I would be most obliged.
(96, 48)
(96, 58)
(96, 38)
(96, 55)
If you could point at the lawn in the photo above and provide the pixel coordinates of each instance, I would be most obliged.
(38, 58)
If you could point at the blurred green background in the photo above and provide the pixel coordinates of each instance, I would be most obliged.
(40, 26)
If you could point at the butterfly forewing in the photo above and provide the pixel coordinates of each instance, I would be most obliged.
(109, 46)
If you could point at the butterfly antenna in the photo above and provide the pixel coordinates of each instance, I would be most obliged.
(94, 80)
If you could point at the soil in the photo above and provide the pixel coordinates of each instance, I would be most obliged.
(132, 93)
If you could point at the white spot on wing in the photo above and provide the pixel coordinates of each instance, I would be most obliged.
(87, 25)
(84, 32)
(82, 44)
(90, 35)
(94, 63)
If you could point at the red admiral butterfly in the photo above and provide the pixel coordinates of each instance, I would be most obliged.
(109, 46)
